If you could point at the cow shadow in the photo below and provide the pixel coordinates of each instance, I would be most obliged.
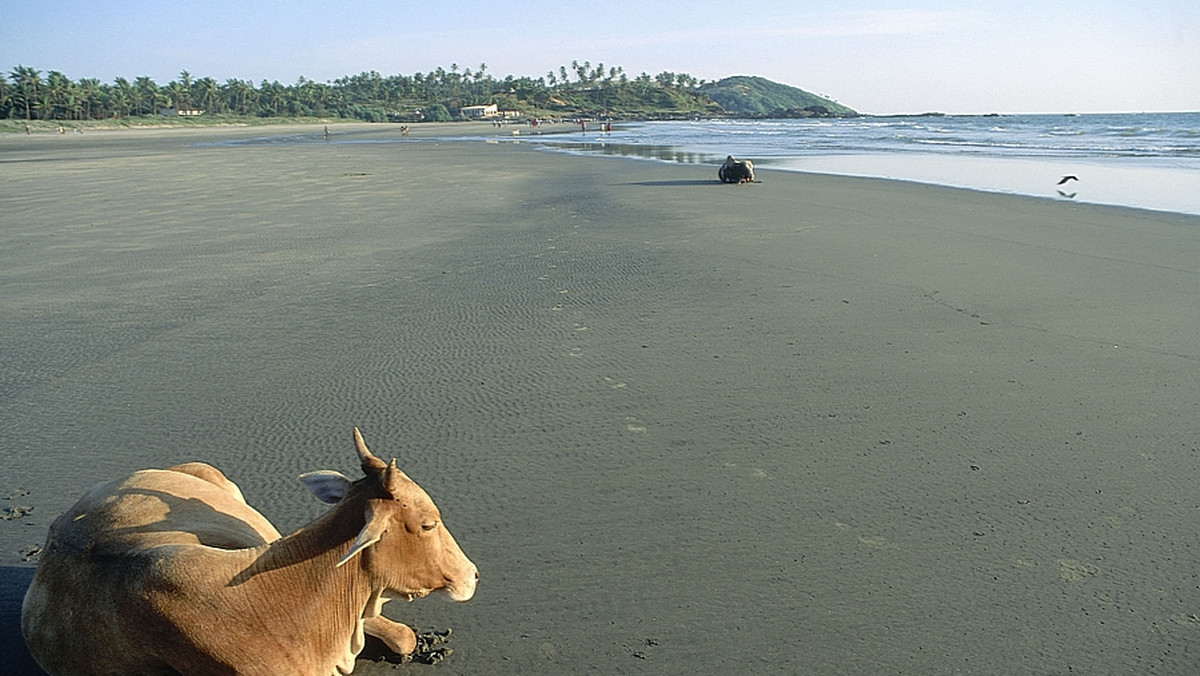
(193, 516)
(674, 183)
(13, 583)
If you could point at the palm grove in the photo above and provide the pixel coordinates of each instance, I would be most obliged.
(28, 94)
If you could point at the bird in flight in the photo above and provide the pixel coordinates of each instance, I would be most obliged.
(1068, 178)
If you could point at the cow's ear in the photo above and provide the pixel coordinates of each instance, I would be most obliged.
(372, 531)
(329, 486)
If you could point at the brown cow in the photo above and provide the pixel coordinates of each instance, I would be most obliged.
(736, 171)
(170, 571)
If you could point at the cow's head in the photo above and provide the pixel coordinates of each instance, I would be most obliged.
(404, 546)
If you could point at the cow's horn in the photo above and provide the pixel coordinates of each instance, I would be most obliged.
(369, 462)
(392, 478)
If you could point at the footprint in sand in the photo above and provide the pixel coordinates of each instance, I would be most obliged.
(15, 512)
(1188, 619)
(1071, 570)
(632, 426)
(756, 473)
(876, 541)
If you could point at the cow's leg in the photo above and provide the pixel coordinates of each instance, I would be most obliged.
(396, 636)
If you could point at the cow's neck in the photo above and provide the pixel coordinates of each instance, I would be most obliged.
(336, 596)
(329, 536)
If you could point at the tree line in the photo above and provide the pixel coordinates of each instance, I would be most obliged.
(26, 93)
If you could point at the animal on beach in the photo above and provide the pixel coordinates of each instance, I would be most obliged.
(170, 571)
(736, 171)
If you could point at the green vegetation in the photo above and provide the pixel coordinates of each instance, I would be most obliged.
(759, 97)
(584, 90)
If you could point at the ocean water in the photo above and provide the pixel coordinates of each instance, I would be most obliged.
(1145, 160)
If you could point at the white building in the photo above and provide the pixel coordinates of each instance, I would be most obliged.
(181, 112)
(481, 112)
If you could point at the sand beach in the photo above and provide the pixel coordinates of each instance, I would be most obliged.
(813, 425)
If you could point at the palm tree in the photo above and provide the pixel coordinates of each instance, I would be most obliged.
(43, 104)
(147, 96)
(479, 80)
(271, 96)
(89, 97)
(60, 95)
(232, 93)
(184, 90)
(121, 96)
(28, 82)
(180, 91)
(6, 97)
(208, 92)
(243, 98)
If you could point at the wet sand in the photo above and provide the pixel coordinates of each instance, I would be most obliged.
(814, 425)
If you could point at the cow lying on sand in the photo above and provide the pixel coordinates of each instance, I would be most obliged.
(736, 171)
(170, 571)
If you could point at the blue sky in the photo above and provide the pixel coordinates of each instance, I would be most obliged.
(875, 56)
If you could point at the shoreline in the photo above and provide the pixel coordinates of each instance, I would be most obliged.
(1149, 188)
(876, 426)
(1152, 188)
(1131, 183)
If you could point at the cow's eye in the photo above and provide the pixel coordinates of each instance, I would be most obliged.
(429, 526)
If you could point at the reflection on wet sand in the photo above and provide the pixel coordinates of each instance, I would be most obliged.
(644, 152)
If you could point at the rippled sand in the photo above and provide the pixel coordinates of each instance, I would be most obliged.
(812, 425)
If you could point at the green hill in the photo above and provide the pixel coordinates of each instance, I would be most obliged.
(584, 91)
(759, 97)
